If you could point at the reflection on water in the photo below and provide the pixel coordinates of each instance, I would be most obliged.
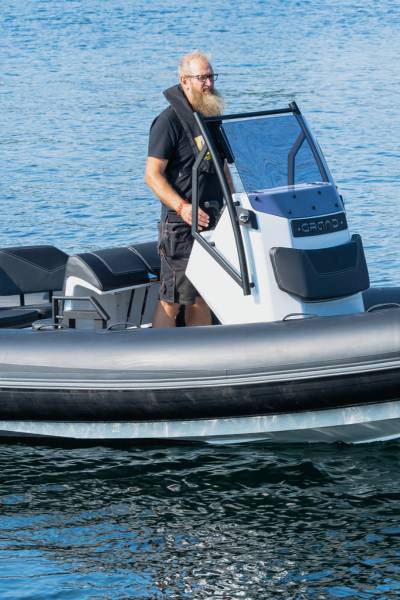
(249, 521)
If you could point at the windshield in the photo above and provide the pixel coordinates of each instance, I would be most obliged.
(270, 151)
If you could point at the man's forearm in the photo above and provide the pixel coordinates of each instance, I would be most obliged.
(165, 192)
(159, 184)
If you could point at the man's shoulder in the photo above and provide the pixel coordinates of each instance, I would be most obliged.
(167, 118)
(165, 134)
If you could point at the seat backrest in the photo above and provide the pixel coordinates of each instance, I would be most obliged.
(30, 269)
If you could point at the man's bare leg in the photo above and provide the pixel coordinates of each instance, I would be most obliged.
(197, 313)
(165, 314)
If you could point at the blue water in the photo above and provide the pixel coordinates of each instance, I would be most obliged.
(251, 521)
(80, 84)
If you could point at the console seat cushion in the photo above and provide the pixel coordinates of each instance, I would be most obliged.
(31, 269)
(108, 269)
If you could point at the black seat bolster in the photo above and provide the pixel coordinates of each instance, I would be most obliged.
(108, 269)
(148, 252)
(31, 269)
(322, 274)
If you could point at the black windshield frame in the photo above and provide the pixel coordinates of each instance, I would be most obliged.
(216, 142)
(216, 127)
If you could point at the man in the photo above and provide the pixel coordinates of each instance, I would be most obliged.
(174, 143)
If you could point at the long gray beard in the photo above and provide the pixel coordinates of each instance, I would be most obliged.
(209, 105)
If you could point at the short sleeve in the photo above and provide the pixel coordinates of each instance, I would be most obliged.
(163, 136)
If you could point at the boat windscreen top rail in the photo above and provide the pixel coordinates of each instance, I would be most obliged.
(269, 149)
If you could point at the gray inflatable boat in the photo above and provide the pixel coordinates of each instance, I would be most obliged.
(302, 349)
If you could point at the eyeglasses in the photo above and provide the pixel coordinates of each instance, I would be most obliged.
(203, 78)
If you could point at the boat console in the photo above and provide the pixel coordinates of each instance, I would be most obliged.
(282, 248)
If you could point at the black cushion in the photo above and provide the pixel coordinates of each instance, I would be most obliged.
(31, 269)
(321, 274)
(108, 269)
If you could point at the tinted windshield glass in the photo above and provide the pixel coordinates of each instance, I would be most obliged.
(270, 152)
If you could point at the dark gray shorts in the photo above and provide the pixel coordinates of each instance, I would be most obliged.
(175, 245)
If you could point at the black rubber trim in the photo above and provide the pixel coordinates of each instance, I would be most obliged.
(267, 398)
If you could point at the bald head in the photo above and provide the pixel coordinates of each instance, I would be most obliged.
(189, 63)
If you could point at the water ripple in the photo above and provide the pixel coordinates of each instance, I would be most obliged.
(250, 521)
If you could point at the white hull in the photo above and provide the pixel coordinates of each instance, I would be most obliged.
(358, 424)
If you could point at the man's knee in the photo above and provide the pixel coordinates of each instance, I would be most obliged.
(165, 314)
(170, 308)
(198, 313)
(200, 302)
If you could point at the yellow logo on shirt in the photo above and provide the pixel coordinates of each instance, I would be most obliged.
(199, 141)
